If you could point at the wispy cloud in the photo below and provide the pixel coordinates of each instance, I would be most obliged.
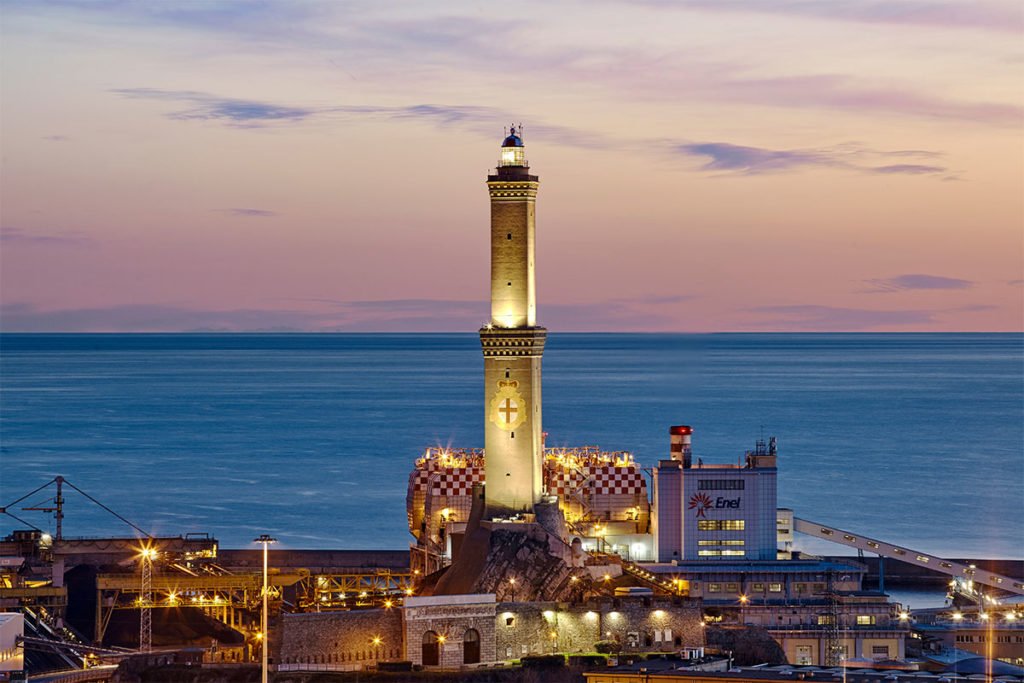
(481, 120)
(977, 14)
(206, 107)
(836, 319)
(908, 169)
(846, 93)
(71, 238)
(388, 315)
(250, 213)
(822, 318)
(724, 156)
(21, 317)
(56, 138)
(915, 281)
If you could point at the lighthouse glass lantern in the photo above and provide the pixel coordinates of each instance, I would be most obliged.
(512, 151)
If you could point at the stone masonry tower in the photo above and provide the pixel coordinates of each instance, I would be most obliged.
(512, 342)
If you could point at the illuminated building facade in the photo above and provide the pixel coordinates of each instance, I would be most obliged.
(603, 496)
(715, 512)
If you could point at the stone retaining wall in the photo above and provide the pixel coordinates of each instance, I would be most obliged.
(341, 637)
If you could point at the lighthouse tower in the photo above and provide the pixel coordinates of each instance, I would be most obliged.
(512, 342)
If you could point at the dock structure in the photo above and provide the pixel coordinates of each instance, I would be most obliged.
(903, 554)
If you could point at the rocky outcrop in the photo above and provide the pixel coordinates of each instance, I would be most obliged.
(522, 565)
(517, 561)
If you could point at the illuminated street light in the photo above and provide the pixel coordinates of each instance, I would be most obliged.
(266, 541)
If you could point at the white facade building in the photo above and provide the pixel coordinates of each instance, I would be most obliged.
(12, 654)
(715, 512)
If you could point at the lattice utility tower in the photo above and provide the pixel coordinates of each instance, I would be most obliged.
(146, 601)
(833, 648)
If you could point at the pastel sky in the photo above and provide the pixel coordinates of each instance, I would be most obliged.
(705, 165)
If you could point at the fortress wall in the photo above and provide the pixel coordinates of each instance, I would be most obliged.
(341, 637)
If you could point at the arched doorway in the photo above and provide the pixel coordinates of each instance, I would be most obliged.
(471, 647)
(431, 650)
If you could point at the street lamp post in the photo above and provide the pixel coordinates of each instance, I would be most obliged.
(265, 643)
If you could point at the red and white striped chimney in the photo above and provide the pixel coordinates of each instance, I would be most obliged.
(679, 436)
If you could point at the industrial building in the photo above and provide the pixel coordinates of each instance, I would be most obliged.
(715, 511)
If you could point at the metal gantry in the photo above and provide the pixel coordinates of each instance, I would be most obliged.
(381, 588)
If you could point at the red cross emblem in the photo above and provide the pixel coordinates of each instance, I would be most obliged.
(509, 409)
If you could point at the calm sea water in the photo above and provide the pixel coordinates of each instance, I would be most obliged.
(914, 439)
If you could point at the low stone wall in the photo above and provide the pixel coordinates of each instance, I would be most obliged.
(438, 627)
(341, 637)
(634, 623)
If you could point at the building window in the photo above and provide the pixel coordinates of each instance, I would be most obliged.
(800, 587)
(732, 588)
(732, 542)
(882, 650)
(510, 236)
(774, 587)
(757, 587)
(510, 621)
(720, 484)
(826, 620)
(865, 619)
(721, 553)
(819, 588)
(714, 588)
(721, 525)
